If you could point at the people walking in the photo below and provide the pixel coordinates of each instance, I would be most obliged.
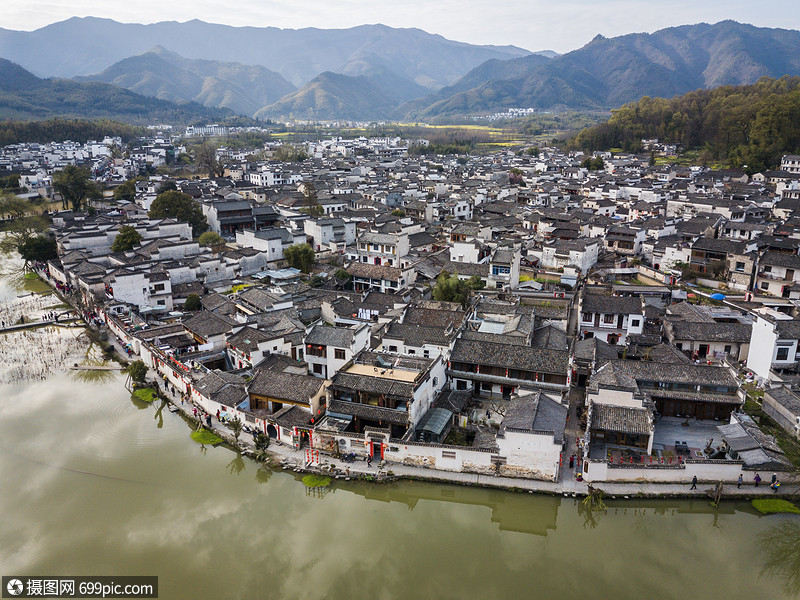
(739, 482)
(757, 479)
(571, 461)
(774, 479)
(694, 483)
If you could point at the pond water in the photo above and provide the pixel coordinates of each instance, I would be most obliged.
(95, 483)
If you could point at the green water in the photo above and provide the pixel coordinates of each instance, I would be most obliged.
(95, 484)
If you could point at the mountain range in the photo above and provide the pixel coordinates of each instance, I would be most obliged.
(25, 96)
(86, 45)
(377, 72)
(167, 75)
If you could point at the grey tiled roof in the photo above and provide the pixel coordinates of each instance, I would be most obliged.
(323, 335)
(373, 385)
(637, 421)
(510, 356)
(285, 386)
(786, 398)
(711, 332)
(207, 323)
(596, 303)
(366, 411)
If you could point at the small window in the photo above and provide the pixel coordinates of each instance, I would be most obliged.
(635, 322)
(739, 266)
(448, 454)
(392, 348)
(338, 354)
(728, 349)
(461, 384)
(768, 269)
(608, 318)
(679, 345)
(765, 285)
(318, 369)
(783, 353)
(410, 351)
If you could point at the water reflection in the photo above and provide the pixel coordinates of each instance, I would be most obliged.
(781, 547)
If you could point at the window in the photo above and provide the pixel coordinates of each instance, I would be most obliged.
(587, 317)
(426, 353)
(768, 269)
(318, 369)
(765, 285)
(635, 322)
(461, 384)
(728, 349)
(739, 266)
(338, 354)
(608, 318)
(679, 345)
(448, 454)
(783, 353)
(392, 348)
(412, 351)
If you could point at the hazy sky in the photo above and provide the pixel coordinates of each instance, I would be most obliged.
(560, 25)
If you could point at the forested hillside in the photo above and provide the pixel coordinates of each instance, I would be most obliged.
(58, 130)
(747, 126)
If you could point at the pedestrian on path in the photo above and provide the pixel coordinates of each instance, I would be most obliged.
(757, 479)
(571, 461)
(774, 479)
(694, 483)
(369, 460)
(739, 483)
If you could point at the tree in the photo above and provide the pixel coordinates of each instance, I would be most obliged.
(300, 256)
(21, 230)
(476, 282)
(192, 303)
(342, 274)
(179, 206)
(138, 371)
(398, 212)
(74, 185)
(12, 205)
(167, 186)
(593, 164)
(210, 238)
(126, 191)
(127, 239)
(207, 160)
(449, 288)
(288, 153)
(236, 426)
(39, 248)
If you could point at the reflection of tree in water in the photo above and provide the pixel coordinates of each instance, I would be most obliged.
(263, 473)
(236, 466)
(591, 517)
(781, 546)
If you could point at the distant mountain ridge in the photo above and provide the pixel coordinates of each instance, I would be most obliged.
(331, 96)
(82, 46)
(163, 74)
(25, 96)
(609, 72)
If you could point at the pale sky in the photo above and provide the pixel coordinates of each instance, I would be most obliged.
(559, 25)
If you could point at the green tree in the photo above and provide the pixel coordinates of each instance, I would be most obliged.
(12, 205)
(39, 248)
(138, 371)
(192, 303)
(179, 206)
(449, 288)
(21, 230)
(398, 212)
(342, 274)
(300, 256)
(127, 239)
(476, 282)
(210, 238)
(315, 210)
(74, 185)
(167, 186)
(126, 191)
(236, 426)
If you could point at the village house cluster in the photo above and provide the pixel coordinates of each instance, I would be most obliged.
(613, 317)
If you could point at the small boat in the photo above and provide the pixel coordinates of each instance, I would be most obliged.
(173, 408)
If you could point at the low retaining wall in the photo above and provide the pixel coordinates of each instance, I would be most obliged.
(725, 471)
